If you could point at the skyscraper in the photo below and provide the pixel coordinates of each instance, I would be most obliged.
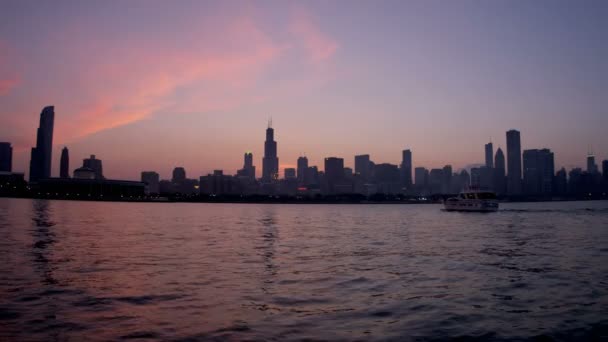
(421, 179)
(362, 166)
(500, 186)
(446, 179)
(270, 162)
(406, 169)
(591, 166)
(513, 162)
(95, 165)
(248, 169)
(605, 169)
(334, 173)
(302, 166)
(538, 172)
(64, 164)
(6, 157)
(40, 162)
(489, 155)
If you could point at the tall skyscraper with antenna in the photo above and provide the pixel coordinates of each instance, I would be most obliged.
(270, 162)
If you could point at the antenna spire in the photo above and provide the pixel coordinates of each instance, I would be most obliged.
(270, 122)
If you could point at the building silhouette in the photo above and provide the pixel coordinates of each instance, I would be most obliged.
(270, 162)
(6, 157)
(489, 155)
(605, 169)
(421, 179)
(591, 165)
(40, 162)
(95, 165)
(513, 163)
(334, 174)
(151, 180)
(290, 173)
(64, 164)
(301, 171)
(561, 182)
(446, 179)
(538, 172)
(500, 184)
(362, 167)
(248, 169)
(406, 169)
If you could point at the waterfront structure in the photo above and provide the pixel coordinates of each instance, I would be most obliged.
(406, 169)
(84, 173)
(89, 188)
(489, 149)
(513, 162)
(248, 169)
(218, 183)
(64, 164)
(40, 162)
(95, 165)
(270, 162)
(500, 184)
(6, 157)
(362, 167)
(151, 180)
(302, 166)
(538, 172)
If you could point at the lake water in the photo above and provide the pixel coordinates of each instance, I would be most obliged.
(185, 271)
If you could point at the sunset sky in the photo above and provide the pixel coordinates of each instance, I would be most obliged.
(150, 85)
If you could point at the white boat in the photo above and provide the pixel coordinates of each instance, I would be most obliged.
(472, 200)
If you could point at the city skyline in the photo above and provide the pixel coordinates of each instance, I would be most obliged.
(144, 96)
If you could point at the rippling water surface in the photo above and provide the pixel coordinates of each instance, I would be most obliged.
(162, 271)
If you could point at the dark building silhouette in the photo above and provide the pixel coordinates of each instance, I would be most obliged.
(64, 164)
(334, 174)
(475, 177)
(84, 173)
(179, 175)
(538, 172)
(302, 166)
(513, 162)
(40, 162)
(591, 165)
(248, 169)
(489, 149)
(435, 181)
(95, 165)
(446, 180)
(605, 169)
(152, 181)
(218, 184)
(421, 180)
(290, 173)
(486, 178)
(362, 167)
(270, 162)
(311, 176)
(500, 184)
(464, 179)
(387, 178)
(561, 182)
(406, 169)
(6, 157)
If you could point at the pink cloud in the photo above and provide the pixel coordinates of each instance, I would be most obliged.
(9, 77)
(319, 46)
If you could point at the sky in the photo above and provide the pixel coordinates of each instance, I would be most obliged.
(151, 85)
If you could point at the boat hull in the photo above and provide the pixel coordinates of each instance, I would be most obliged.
(471, 205)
